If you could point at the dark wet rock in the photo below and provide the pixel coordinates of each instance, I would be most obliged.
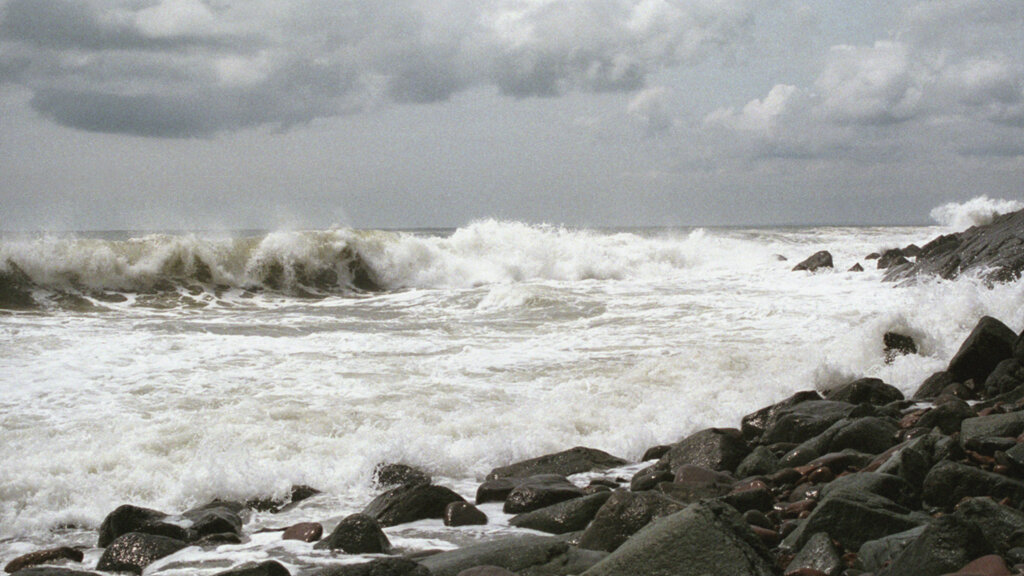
(757, 423)
(43, 557)
(496, 490)
(714, 448)
(650, 477)
(134, 551)
(572, 461)
(897, 344)
(760, 461)
(391, 475)
(865, 391)
(842, 461)
(891, 258)
(523, 555)
(818, 554)
(15, 288)
(569, 516)
(933, 385)
(486, 571)
(52, 571)
(215, 518)
(1007, 376)
(655, 453)
(218, 539)
(947, 416)
(1002, 526)
(856, 268)
(1018, 348)
(750, 495)
(870, 435)
(806, 420)
(892, 488)
(852, 518)
(705, 538)
(297, 494)
(911, 461)
(911, 251)
(693, 483)
(876, 554)
(821, 259)
(410, 503)
(463, 514)
(622, 515)
(944, 546)
(990, 565)
(357, 534)
(949, 482)
(128, 518)
(988, 344)
(873, 256)
(1010, 425)
(996, 249)
(378, 567)
(268, 568)
(989, 445)
(540, 491)
(304, 532)
(1015, 457)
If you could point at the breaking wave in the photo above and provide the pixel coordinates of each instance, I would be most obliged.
(974, 212)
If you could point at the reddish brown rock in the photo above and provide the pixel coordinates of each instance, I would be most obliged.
(304, 532)
(43, 557)
(991, 565)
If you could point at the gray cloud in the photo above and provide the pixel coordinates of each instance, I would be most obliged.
(178, 68)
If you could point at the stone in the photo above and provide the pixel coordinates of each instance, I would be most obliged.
(133, 551)
(1006, 425)
(378, 567)
(761, 461)
(539, 491)
(949, 482)
(865, 390)
(990, 565)
(1001, 526)
(988, 344)
(911, 251)
(856, 268)
(750, 495)
(304, 532)
(16, 288)
(572, 461)
(805, 420)
(874, 555)
(944, 546)
(650, 477)
(496, 490)
(622, 515)
(892, 488)
(525, 555)
(1007, 376)
(463, 514)
(214, 518)
(891, 258)
(820, 259)
(911, 462)
(410, 503)
(852, 519)
(52, 571)
(694, 483)
(268, 568)
(871, 435)
(569, 516)
(933, 385)
(897, 345)
(391, 475)
(357, 534)
(655, 453)
(43, 557)
(706, 538)
(486, 571)
(818, 554)
(298, 493)
(947, 416)
(755, 424)
(128, 518)
(996, 250)
(714, 448)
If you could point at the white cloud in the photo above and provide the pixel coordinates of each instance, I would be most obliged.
(651, 108)
(758, 115)
(879, 84)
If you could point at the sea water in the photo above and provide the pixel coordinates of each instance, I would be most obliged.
(166, 370)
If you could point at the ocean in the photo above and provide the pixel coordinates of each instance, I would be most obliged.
(166, 370)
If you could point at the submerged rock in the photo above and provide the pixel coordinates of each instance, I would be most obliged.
(391, 475)
(15, 288)
(897, 344)
(134, 551)
(356, 534)
(822, 259)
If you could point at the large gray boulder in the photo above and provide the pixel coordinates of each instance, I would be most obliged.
(622, 515)
(569, 516)
(949, 482)
(985, 347)
(566, 463)
(820, 259)
(411, 502)
(714, 448)
(705, 539)
(357, 534)
(134, 551)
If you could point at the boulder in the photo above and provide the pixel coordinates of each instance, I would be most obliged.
(572, 461)
(818, 554)
(378, 567)
(1007, 425)
(496, 490)
(933, 385)
(357, 534)
(298, 493)
(755, 424)
(694, 483)
(267, 568)
(539, 491)
(944, 546)
(486, 571)
(856, 268)
(892, 488)
(714, 448)
(304, 532)
(655, 452)
(995, 249)
(805, 420)
(622, 515)
(391, 475)
(569, 516)
(128, 518)
(15, 288)
(870, 435)
(990, 565)
(820, 259)
(852, 518)
(463, 514)
(523, 555)
(1007, 376)
(214, 518)
(134, 551)
(865, 391)
(1002, 526)
(410, 503)
(947, 416)
(52, 571)
(760, 461)
(949, 482)
(891, 258)
(705, 539)
(897, 344)
(43, 557)
(650, 477)
(750, 495)
(988, 344)
(876, 554)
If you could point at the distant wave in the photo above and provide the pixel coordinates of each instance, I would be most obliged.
(974, 212)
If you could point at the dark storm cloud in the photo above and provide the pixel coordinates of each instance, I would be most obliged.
(175, 68)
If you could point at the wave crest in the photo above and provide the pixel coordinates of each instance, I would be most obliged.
(974, 212)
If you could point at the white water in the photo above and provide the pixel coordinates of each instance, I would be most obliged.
(498, 342)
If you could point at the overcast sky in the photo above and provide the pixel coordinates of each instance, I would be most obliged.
(196, 114)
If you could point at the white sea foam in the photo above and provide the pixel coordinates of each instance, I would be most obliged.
(498, 342)
(974, 212)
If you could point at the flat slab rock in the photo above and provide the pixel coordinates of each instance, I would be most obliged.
(523, 555)
(568, 462)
